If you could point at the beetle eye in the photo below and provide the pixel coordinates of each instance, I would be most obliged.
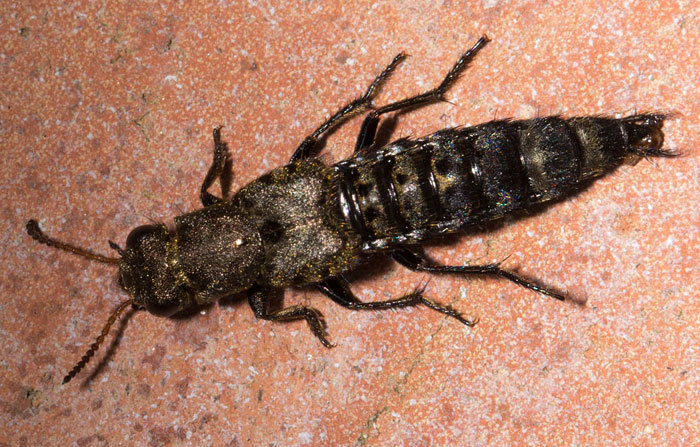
(138, 233)
(163, 309)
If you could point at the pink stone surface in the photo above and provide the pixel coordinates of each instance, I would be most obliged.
(106, 117)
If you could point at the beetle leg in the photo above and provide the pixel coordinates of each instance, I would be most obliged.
(258, 300)
(420, 263)
(309, 146)
(217, 167)
(338, 290)
(369, 126)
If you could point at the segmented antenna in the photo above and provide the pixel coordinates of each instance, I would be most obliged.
(39, 236)
(93, 348)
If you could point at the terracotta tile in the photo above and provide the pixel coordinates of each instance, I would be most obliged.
(107, 112)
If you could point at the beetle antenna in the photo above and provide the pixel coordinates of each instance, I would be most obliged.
(100, 338)
(39, 236)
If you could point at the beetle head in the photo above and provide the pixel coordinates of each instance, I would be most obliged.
(146, 274)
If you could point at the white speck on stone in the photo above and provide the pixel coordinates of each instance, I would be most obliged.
(305, 438)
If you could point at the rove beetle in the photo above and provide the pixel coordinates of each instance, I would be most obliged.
(309, 222)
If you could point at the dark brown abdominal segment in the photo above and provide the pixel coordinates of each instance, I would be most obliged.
(645, 135)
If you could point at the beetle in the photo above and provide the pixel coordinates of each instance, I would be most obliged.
(309, 222)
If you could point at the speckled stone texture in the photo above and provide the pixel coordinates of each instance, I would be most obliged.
(106, 112)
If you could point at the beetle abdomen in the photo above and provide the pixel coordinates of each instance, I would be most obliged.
(412, 189)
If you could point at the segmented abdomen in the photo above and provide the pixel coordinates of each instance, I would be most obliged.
(412, 189)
